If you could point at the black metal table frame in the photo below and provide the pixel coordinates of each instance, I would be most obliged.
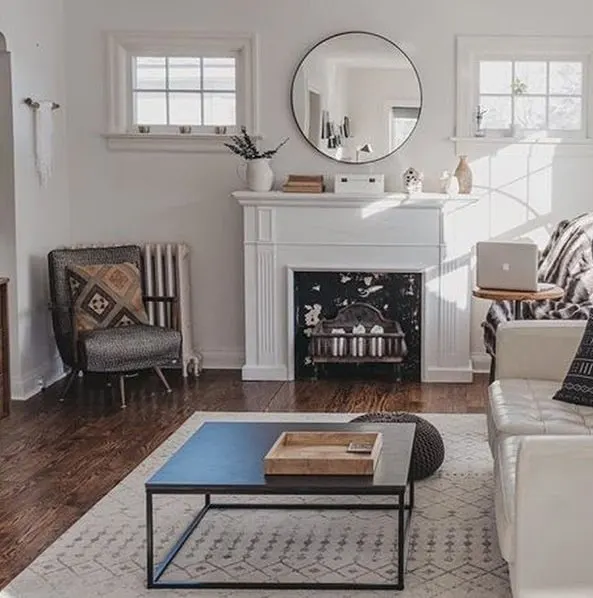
(155, 573)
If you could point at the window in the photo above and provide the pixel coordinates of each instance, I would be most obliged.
(534, 85)
(169, 85)
(534, 95)
(403, 121)
(180, 91)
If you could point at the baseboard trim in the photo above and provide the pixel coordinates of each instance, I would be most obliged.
(232, 359)
(444, 374)
(481, 363)
(37, 379)
(264, 373)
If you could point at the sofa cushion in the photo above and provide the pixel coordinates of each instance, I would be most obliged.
(505, 479)
(523, 407)
(577, 387)
(106, 295)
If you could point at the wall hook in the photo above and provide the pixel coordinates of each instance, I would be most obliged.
(35, 105)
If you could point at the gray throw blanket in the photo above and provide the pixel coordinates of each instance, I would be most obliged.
(566, 261)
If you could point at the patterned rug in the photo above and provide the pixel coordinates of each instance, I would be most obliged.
(453, 551)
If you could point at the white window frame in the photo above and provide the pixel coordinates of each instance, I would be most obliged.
(471, 50)
(123, 46)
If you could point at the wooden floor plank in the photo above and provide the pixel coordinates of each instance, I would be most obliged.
(57, 460)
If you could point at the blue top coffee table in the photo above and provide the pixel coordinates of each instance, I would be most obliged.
(227, 458)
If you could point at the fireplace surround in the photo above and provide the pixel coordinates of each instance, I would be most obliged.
(429, 235)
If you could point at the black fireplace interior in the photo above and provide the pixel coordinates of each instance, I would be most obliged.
(322, 295)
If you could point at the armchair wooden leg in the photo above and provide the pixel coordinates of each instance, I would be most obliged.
(122, 391)
(160, 374)
(71, 377)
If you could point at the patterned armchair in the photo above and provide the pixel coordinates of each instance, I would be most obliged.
(115, 351)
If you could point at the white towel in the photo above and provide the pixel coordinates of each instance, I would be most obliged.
(44, 132)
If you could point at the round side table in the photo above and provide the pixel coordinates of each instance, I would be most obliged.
(545, 292)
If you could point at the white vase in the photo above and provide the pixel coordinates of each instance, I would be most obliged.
(259, 175)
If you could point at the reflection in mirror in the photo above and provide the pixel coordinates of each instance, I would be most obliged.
(356, 97)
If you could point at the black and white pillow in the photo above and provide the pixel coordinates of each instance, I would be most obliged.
(577, 387)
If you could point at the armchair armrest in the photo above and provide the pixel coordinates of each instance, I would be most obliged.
(65, 308)
(554, 527)
(537, 349)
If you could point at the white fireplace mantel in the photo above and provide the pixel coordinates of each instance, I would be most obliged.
(287, 232)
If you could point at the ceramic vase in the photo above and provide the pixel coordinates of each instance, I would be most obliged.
(259, 175)
(464, 176)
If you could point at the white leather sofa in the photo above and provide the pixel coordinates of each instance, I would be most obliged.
(543, 462)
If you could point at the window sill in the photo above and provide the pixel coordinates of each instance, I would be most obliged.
(159, 142)
(524, 140)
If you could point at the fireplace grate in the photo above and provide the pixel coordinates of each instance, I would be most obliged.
(358, 334)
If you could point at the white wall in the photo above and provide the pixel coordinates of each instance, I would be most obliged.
(119, 196)
(34, 34)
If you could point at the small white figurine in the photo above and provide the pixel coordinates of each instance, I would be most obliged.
(413, 181)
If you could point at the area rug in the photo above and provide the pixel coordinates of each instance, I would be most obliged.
(453, 551)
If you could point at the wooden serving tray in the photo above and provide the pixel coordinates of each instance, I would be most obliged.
(322, 453)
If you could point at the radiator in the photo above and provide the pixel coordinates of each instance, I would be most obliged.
(166, 273)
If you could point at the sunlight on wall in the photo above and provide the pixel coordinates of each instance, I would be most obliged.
(519, 181)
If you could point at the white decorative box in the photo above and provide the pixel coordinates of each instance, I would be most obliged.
(359, 183)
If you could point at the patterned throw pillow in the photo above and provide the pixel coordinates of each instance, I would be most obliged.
(577, 387)
(106, 295)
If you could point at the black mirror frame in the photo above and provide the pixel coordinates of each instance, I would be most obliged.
(396, 47)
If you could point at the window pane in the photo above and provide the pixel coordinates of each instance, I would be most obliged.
(402, 128)
(184, 109)
(530, 113)
(566, 114)
(495, 76)
(150, 108)
(150, 73)
(498, 112)
(566, 78)
(184, 73)
(219, 109)
(219, 73)
(530, 77)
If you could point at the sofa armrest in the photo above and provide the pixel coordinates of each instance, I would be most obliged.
(537, 349)
(554, 527)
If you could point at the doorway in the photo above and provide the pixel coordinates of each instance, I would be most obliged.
(314, 132)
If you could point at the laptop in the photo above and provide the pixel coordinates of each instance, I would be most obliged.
(509, 266)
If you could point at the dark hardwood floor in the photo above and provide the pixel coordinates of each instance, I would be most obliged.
(57, 460)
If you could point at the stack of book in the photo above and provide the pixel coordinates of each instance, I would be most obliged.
(304, 183)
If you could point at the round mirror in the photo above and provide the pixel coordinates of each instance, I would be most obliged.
(356, 97)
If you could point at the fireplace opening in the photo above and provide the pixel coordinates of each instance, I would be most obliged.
(363, 325)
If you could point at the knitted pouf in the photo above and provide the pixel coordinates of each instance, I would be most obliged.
(428, 452)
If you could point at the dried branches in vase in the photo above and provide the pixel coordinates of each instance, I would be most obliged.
(258, 175)
(243, 145)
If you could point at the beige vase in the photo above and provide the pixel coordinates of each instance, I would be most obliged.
(464, 176)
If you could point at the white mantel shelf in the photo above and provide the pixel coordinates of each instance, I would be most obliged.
(428, 233)
(330, 200)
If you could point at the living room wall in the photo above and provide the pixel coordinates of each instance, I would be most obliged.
(35, 218)
(117, 196)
